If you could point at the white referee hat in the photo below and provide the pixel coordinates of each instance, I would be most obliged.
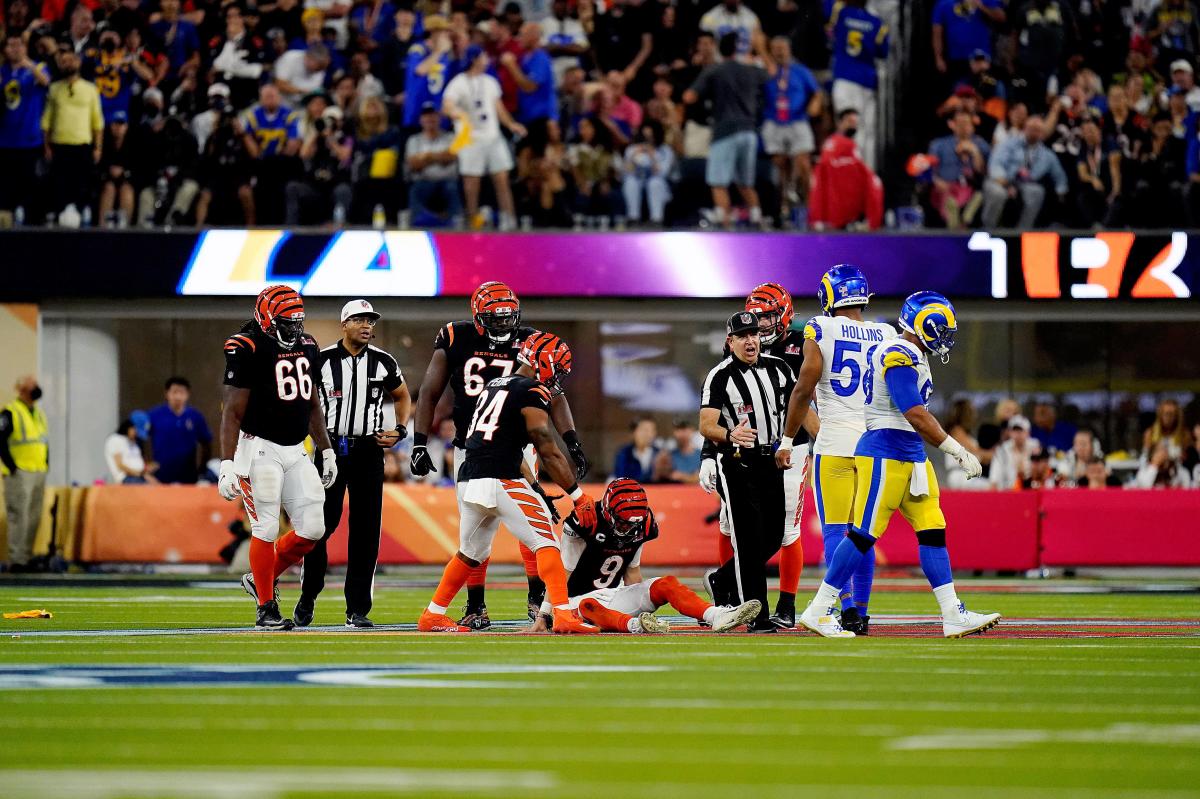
(358, 308)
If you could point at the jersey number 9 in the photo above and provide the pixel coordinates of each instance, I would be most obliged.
(292, 379)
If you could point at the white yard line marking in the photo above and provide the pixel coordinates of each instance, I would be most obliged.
(218, 783)
(1185, 735)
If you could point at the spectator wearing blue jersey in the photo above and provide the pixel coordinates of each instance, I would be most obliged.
(179, 436)
(179, 37)
(730, 16)
(430, 67)
(961, 27)
(1018, 168)
(272, 139)
(114, 71)
(859, 38)
(24, 84)
(792, 96)
(534, 73)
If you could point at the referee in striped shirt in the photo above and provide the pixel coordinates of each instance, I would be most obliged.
(742, 410)
(355, 379)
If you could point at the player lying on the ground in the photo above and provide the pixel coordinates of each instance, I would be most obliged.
(511, 413)
(893, 473)
(603, 558)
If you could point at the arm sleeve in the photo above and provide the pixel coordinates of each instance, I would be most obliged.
(902, 383)
(5, 431)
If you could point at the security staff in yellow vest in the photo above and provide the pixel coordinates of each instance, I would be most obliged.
(24, 459)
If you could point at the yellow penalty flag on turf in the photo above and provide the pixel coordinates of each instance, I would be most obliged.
(30, 614)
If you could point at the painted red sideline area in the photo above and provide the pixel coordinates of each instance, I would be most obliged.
(1010, 531)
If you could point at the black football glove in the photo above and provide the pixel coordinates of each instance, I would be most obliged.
(549, 502)
(420, 464)
(575, 448)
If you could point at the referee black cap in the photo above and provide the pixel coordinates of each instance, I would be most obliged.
(741, 323)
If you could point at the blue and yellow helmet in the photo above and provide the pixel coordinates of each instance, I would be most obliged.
(842, 286)
(930, 317)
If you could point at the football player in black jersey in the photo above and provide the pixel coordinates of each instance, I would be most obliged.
(511, 413)
(773, 305)
(603, 559)
(269, 408)
(468, 355)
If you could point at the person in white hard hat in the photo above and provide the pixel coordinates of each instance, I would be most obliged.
(355, 379)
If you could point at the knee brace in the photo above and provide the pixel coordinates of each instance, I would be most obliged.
(931, 538)
(862, 542)
(310, 522)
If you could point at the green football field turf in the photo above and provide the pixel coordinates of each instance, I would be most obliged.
(1059, 708)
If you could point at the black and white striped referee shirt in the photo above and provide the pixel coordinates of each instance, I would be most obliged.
(353, 389)
(755, 392)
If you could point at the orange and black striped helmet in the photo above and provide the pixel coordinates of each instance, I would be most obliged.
(549, 357)
(625, 507)
(773, 305)
(279, 311)
(496, 310)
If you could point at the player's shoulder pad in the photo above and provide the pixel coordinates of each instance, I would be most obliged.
(812, 328)
(240, 344)
(900, 353)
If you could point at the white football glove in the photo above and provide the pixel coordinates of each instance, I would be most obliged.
(708, 474)
(967, 461)
(227, 483)
(328, 467)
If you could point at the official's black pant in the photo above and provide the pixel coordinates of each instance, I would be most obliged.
(360, 471)
(752, 489)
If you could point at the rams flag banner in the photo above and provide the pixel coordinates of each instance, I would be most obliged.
(1033, 265)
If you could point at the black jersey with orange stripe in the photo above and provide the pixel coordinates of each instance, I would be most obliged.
(497, 432)
(280, 383)
(473, 361)
(606, 557)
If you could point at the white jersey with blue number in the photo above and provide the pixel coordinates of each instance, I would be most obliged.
(846, 349)
(889, 434)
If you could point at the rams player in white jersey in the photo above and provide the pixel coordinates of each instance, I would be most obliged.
(837, 350)
(893, 472)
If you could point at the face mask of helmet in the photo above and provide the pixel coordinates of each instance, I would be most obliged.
(500, 325)
(288, 332)
(555, 384)
(944, 343)
(768, 327)
(624, 528)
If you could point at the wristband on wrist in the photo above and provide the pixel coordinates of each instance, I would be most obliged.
(420, 439)
(785, 444)
(575, 492)
(571, 438)
(728, 435)
(951, 447)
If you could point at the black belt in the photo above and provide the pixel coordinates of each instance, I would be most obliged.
(343, 444)
(757, 451)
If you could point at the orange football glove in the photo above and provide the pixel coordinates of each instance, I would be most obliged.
(585, 510)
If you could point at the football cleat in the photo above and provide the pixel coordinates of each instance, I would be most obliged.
(729, 618)
(532, 609)
(567, 623)
(714, 591)
(431, 622)
(761, 628)
(303, 613)
(966, 622)
(269, 617)
(854, 621)
(824, 624)
(653, 624)
(359, 621)
(476, 620)
(784, 619)
(250, 588)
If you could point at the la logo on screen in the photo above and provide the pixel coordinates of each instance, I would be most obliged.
(1100, 266)
(398, 263)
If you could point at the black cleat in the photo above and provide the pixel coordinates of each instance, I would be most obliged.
(761, 627)
(250, 588)
(784, 619)
(303, 612)
(359, 621)
(268, 617)
(855, 622)
(476, 619)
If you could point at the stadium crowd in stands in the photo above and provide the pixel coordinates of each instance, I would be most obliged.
(231, 112)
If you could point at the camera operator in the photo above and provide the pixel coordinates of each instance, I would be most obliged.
(325, 153)
(205, 122)
(227, 196)
(166, 168)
